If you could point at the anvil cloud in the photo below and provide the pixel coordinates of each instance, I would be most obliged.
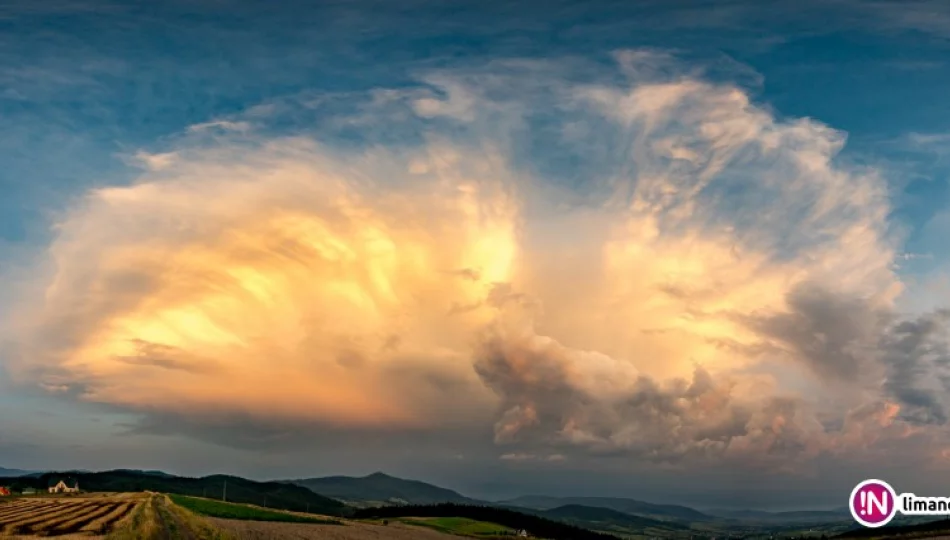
(630, 260)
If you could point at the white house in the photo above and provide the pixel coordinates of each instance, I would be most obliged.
(64, 486)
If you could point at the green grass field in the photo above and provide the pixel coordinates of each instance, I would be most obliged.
(219, 509)
(462, 526)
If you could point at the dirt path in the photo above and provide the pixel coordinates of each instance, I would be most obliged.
(171, 526)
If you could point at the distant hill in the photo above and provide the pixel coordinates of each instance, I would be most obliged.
(937, 528)
(8, 473)
(271, 494)
(37, 474)
(379, 488)
(605, 519)
(803, 516)
(150, 473)
(626, 506)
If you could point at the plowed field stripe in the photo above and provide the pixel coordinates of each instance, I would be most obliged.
(74, 523)
(67, 509)
(103, 523)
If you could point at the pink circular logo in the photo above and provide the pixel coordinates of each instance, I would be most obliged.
(873, 503)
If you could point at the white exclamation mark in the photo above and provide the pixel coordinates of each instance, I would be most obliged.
(864, 497)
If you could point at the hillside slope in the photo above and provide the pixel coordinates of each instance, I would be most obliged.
(535, 525)
(382, 488)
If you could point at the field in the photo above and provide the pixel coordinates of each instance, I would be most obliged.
(155, 516)
(219, 509)
(246, 522)
(460, 526)
(93, 515)
(262, 530)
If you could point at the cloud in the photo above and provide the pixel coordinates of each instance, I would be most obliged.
(927, 140)
(155, 162)
(558, 397)
(918, 356)
(927, 16)
(531, 457)
(932, 149)
(19, 8)
(224, 125)
(623, 266)
(833, 334)
(349, 287)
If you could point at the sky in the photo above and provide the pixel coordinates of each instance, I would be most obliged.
(680, 251)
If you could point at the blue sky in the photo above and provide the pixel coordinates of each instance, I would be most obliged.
(87, 86)
(86, 82)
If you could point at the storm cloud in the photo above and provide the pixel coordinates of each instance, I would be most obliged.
(593, 260)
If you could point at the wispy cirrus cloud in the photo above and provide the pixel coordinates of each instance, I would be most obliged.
(936, 143)
(224, 125)
(927, 16)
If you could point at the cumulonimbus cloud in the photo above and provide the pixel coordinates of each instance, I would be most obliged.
(643, 262)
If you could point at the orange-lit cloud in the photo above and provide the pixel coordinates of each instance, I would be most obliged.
(282, 289)
(447, 284)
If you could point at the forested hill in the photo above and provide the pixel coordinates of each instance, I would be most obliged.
(627, 506)
(383, 489)
(535, 525)
(271, 494)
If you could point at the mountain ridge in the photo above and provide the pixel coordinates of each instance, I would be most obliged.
(4, 472)
(382, 488)
(620, 504)
(606, 518)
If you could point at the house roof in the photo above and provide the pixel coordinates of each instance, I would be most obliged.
(70, 482)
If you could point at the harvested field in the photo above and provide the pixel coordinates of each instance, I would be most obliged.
(244, 512)
(65, 517)
(160, 519)
(351, 530)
